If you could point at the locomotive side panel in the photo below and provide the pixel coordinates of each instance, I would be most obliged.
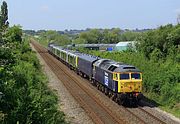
(106, 79)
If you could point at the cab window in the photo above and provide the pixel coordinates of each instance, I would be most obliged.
(124, 76)
(135, 76)
(116, 76)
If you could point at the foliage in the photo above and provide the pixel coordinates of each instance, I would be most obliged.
(14, 34)
(25, 96)
(4, 16)
(157, 56)
(160, 79)
(93, 36)
(106, 36)
(55, 37)
(3, 21)
(160, 43)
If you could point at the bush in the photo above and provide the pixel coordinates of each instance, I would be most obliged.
(27, 99)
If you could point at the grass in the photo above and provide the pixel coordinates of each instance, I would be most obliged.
(175, 111)
(43, 42)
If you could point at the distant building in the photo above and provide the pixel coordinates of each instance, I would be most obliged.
(102, 47)
(105, 47)
(123, 45)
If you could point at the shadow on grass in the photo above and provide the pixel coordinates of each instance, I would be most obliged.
(148, 102)
(145, 102)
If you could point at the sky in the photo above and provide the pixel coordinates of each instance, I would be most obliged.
(82, 14)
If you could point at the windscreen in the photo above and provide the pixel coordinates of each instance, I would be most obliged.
(135, 76)
(124, 76)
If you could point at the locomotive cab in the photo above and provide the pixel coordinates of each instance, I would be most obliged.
(125, 81)
(129, 84)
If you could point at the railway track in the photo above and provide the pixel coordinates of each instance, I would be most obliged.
(144, 115)
(151, 115)
(98, 112)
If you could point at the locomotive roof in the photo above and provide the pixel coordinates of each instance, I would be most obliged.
(113, 66)
(126, 68)
(87, 57)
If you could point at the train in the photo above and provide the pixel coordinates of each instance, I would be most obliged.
(119, 81)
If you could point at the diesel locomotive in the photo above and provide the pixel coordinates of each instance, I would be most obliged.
(120, 81)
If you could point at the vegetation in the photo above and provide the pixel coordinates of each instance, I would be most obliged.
(157, 54)
(93, 36)
(105, 36)
(53, 36)
(23, 87)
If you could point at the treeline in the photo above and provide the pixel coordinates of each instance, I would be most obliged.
(157, 55)
(93, 36)
(105, 36)
(76, 32)
(24, 95)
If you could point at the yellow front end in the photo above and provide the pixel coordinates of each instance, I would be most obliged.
(76, 61)
(130, 82)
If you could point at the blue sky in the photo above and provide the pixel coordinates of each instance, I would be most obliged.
(82, 14)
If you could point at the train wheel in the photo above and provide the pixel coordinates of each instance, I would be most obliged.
(90, 79)
(93, 82)
(110, 94)
(116, 100)
(98, 86)
(106, 91)
(120, 102)
(81, 74)
(77, 72)
(102, 89)
(114, 97)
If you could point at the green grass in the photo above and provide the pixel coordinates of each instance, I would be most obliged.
(175, 111)
(43, 42)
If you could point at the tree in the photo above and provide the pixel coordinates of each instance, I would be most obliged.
(14, 34)
(3, 20)
(4, 16)
(92, 36)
